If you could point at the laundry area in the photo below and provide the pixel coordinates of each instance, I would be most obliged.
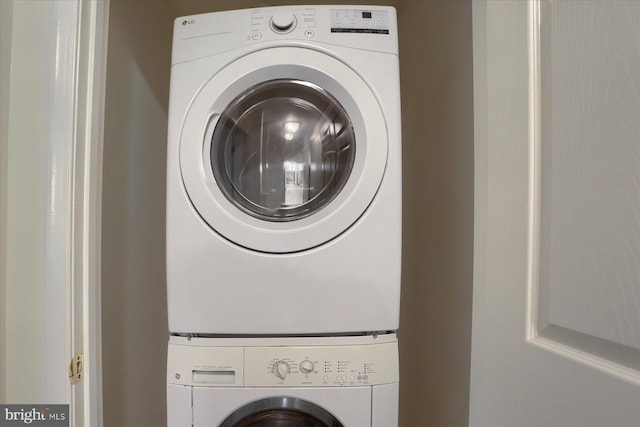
(258, 213)
(301, 279)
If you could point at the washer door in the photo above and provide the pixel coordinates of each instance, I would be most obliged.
(283, 150)
(281, 412)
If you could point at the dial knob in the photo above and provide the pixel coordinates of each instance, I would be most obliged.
(306, 366)
(280, 369)
(283, 20)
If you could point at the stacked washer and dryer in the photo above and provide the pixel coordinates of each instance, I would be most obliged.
(284, 218)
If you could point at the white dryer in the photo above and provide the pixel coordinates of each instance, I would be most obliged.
(284, 172)
(314, 382)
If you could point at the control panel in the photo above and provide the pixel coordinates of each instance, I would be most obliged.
(283, 21)
(321, 366)
(372, 28)
(284, 366)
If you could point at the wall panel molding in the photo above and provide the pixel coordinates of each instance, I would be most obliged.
(561, 127)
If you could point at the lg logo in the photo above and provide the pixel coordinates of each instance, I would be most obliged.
(189, 21)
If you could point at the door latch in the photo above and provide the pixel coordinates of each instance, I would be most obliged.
(76, 369)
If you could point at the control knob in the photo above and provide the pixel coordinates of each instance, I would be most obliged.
(283, 21)
(306, 366)
(280, 369)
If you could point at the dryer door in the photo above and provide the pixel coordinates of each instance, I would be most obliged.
(281, 412)
(283, 150)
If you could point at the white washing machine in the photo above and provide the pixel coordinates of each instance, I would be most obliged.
(313, 382)
(284, 172)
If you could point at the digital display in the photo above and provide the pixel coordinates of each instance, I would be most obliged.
(359, 21)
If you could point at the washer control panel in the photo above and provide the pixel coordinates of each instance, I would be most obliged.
(283, 366)
(321, 366)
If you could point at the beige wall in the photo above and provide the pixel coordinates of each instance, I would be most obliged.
(436, 73)
(134, 318)
(437, 120)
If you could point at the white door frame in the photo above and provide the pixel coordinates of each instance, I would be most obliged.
(71, 37)
(89, 77)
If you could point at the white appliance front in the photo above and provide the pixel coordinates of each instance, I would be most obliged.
(284, 178)
(336, 382)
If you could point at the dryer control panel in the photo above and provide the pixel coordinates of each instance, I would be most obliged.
(372, 28)
(283, 365)
(283, 21)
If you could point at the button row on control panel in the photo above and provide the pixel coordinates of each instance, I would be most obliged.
(257, 35)
(349, 378)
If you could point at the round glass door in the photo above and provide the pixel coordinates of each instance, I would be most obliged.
(282, 150)
(281, 412)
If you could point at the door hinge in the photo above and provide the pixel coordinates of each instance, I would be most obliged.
(76, 370)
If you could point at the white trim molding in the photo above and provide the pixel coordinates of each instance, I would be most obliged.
(90, 80)
(53, 91)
